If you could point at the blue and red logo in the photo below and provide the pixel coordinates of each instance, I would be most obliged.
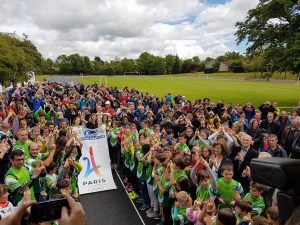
(91, 165)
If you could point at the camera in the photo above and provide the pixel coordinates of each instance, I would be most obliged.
(283, 174)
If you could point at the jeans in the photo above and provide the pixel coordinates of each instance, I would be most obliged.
(144, 193)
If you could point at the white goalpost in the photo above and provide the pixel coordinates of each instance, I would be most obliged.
(134, 73)
(104, 80)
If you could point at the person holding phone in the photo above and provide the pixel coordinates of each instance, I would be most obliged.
(73, 215)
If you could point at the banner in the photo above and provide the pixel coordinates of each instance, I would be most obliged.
(96, 173)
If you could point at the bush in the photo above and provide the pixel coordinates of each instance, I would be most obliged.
(209, 70)
(237, 69)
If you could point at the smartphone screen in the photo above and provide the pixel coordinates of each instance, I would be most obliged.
(48, 210)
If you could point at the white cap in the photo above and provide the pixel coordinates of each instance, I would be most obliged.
(107, 103)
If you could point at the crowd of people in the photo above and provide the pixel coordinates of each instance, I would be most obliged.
(185, 162)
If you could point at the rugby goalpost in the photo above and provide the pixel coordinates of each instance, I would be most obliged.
(100, 79)
(104, 78)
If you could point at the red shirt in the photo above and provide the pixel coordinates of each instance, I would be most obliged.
(108, 110)
(124, 100)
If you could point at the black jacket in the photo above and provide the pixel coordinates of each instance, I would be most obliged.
(270, 128)
(295, 147)
(239, 167)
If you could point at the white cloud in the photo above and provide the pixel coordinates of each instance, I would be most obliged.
(113, 28)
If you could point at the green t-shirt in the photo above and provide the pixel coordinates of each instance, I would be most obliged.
(149, 177)
(163, 198)
(199, 143)
(179, 173)
(113, 137)
(126, 157)
(179, 216)
(32, 161)
(141, 167)
(257, 204)
(238, 217)
(159, 171)
(202, 193)
(16, 178)
(51, 185)
(226, 191)
(148, 133)
(183, 148)
(24, 146)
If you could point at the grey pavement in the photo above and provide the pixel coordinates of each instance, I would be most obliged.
(110, 207)
(63, 79)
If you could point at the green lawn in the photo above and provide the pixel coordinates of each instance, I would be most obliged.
(240, 76)
(193, 87)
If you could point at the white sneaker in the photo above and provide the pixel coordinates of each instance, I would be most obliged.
(150, 210)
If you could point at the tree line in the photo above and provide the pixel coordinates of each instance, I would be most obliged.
(271, 30)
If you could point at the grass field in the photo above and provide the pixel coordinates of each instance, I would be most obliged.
(195, 86)
(240, 76)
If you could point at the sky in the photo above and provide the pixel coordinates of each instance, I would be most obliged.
(118, 28)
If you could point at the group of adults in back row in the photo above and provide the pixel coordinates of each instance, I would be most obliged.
(40, 153)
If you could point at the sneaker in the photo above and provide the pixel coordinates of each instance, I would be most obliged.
(133, 195)
(130, 195)
(144, 207)
(150, 214)
(150, 210)
(129, 187)
(154, 215)
(157, 216)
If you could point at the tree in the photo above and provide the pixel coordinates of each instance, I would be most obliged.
(272, 28)
(189, 66)
(158, 65)
(116, 66)
(77, 63)
(63, 64)
(98, 59)
(144, 63)
(233, 55)
(87, 65)
(18, 58)
(169, 61)
(48, 67)
(255, 63)
(196, 59)
(176, 69)
(128, 65)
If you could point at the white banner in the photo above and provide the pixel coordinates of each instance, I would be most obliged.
(96, 171)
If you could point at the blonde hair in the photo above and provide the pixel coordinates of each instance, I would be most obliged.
(183, 196)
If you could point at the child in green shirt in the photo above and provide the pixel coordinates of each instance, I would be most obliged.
(183, 202)
(227, 187)
(255, 198)
(51, 180)
(242, 210)
(181, 145)
(204, 180)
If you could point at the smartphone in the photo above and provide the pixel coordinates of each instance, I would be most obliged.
(48, 210)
